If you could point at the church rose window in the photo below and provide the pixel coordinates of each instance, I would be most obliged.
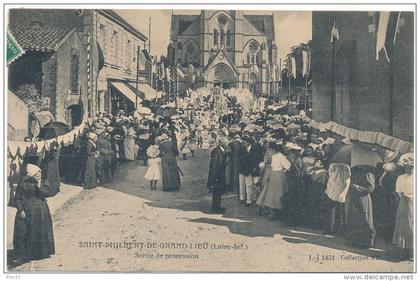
(222, 20)
(253, 47)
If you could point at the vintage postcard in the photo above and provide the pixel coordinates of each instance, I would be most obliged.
(209, 139)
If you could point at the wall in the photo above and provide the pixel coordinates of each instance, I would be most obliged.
(49, 82)
(17, 118)
(363, 83)
(121, 66)
(72, 46)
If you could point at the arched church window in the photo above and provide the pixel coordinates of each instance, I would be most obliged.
(74, 73)
(222, 36)
(228, 35)
(257, 59)
(253, 47)
(190, 53)
(248, 58)
(215, 37)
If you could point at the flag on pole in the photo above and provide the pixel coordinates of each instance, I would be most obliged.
(387, 33)
(306, 62)
(162, 72)
(279, 74)
(335, 34)
(180, 72)
(291, 67)
(168, 74)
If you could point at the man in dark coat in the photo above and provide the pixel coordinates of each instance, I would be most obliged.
(216, 180)
(250, 157)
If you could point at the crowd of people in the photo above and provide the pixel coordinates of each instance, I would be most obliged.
(271, 158)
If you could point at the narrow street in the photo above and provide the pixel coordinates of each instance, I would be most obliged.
(176, 228)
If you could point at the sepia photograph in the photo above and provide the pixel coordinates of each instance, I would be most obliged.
(246, 139)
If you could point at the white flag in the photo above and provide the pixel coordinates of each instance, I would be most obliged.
(335, 34)
(305, 62)
(180, 72)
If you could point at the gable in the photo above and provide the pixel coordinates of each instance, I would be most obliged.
(221, 57)
(249, 28)
(191, 27)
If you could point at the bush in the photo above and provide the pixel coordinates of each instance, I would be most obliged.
(29, 94)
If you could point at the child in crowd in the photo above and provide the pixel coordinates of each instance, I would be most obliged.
(153, 172)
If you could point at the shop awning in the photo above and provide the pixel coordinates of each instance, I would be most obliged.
(149, 92)
(124, 89)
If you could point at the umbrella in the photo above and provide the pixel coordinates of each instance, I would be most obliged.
(356, 155)
(144, 110)
(274, 121)
(277, 126)
(253, 128)
(53, 129)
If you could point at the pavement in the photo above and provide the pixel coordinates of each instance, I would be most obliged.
(126, 227)
(66, 193)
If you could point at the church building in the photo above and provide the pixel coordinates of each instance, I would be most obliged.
(226, 49)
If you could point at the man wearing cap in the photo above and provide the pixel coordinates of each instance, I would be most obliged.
(216, 180)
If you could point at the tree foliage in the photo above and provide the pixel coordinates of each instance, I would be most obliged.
(30, 95)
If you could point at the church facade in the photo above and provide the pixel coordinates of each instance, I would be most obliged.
(226, 49)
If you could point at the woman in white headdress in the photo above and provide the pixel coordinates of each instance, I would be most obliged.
(404, 231)
(33, 233)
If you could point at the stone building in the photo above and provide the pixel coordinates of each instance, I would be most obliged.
(226, 49)
(53, 64)
(111, 44)
(354, 88)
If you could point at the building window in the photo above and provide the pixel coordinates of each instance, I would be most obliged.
(115, 50)
(222, 37)
(74, 74)
(102, 34)
(253, 58)
(215, 37)
(129, 55)
(228, 38)
(248, 59)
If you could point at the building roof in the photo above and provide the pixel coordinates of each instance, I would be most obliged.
(180, 23)
(45, 39)
(111, 14)
(264, 24)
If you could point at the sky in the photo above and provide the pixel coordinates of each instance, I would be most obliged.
(291, 27)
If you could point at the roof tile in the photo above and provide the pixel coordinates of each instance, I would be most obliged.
(40, 39)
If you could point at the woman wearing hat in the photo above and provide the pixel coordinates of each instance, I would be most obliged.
(33, 233)
(170, 174)
(384, 198)
(272, 195)
(404, 234)
(293, 197)
(130, 147)
(90, 176)
(266, 170)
